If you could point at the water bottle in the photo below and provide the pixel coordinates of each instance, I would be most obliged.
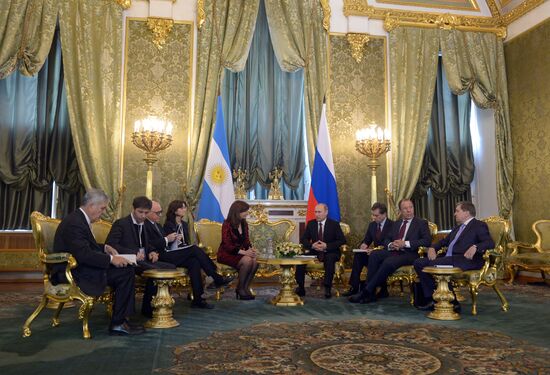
(269, 248)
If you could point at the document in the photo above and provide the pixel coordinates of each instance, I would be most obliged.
(359, 250)
(178, 248)
(305, 256)
(444, 266)
(130, 257)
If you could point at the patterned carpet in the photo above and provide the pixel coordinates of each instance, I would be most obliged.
(358, 347)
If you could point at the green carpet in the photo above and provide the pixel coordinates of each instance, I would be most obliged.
(61, 350)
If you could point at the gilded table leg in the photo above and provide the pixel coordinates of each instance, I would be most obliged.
(162, 306)
(443, 297)
(286, 296)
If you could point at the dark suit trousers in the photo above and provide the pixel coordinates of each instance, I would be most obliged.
(382, 263)
(360, 260)
(427, 281)
(195, 260)
(121, 280)
(329, 262)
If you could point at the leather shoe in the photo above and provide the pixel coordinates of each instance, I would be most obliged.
(382, 293)
(363, 297)
(201, 304)
(328, 292)
(300, 291)
(456, 306)
(350, 292)
(125, 329)
(427, 307)
(221, 282)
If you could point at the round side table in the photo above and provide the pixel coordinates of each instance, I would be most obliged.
(163, 302)
(443, 296)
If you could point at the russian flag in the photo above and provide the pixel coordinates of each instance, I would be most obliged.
(323, 180)
(217, 190)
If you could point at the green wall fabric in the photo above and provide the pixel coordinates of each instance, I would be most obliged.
(528, 73)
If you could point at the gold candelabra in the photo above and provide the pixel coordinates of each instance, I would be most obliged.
(275, 190)
(240, 176)
(373, 142)
(151, 135)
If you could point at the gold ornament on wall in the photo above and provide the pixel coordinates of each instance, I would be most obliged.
(357, 43)
(240, 176)
(124, 4)
(325, 5)
(201, 14)
(160, 28)
(275, 189)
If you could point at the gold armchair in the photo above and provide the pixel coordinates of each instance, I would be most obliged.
(43, 229)
(317, 270)
(531, 257)
(499, 229)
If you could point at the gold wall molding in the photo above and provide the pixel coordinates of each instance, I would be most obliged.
(473, 4)
(124, 4)
(357, 43)
(326, 14)
(161, 28)
(394, 18)
(201, 13)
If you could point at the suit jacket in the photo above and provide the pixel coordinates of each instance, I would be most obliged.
(370, 235)
(332, 235)
(417, 235)
(74, 236)
(156, 236)
(124, 237)
(475, 233)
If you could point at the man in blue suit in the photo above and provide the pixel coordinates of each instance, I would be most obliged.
(408, 234)
(465, 247)
(378, 230)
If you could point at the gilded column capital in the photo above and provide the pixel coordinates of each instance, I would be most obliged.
(161, 28)
(357, 43)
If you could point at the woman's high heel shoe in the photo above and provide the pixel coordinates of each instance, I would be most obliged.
(244, 297)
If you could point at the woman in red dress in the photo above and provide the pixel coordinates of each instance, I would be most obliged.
(236, 250)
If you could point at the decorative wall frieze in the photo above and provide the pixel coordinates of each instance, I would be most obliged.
(493, 7)
(326, 14)
(520, 10)
(357, 43)
(160, 28)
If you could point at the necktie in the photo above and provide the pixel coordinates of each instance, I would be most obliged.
(378, 231)
(450, 248)
(320, 234)
(402, 230)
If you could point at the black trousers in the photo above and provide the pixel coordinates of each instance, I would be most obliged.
(382, 263)
(427, 281)
(195, 260)
(329, 262)
(122, 280)
(360, 260)
(150, 288)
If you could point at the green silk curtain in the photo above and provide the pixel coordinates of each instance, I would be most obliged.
(448, 165)
(300, 41)
(475, 62)
(413, 66)
(91, 39)
(26, 28)
(223, 42)
(36, 136)
(264, 116)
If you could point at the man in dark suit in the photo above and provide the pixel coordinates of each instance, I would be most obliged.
(408, 234)
(128, 236)
(192, 258)
(323, 238)
(465, 247)
(377, 232)
(98, 265)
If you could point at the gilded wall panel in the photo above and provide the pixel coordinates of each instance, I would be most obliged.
(357, 97)
(527, 65)
(157, 83)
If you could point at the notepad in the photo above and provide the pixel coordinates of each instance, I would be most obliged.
(131, 258)
(305, 257)
(360, 250)
(444, 266)
(179, 248)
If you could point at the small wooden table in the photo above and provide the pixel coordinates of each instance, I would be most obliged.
(286, 296)
(163, 302)
(442, 295)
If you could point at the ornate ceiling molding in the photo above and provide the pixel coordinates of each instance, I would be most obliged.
(357, 43)
(394, 17)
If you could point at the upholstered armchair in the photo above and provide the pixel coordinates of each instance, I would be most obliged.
(499, 229)
(317, 270)
(406, 275)
(531, 257)
(43, 229)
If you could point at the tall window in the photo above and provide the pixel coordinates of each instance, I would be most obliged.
(448, 165)
(265, 118)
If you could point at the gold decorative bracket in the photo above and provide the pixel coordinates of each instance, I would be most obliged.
(201, 13)
(124, 4)
(325, 5)
(161, 28)
(357, 43)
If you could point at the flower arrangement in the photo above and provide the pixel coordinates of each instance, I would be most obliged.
(288, 249)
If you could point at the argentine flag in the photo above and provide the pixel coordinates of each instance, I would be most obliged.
(323, 180)
(217, 190)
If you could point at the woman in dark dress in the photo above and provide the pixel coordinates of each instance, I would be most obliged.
(236, 250)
